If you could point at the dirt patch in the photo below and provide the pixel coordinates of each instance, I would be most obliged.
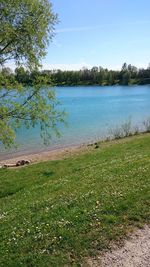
(134, 253)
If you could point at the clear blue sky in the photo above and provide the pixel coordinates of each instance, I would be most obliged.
(100, 33)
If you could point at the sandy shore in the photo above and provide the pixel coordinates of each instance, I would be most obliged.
(56, 154)
(61, 153)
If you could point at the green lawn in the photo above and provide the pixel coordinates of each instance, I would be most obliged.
(56, 213)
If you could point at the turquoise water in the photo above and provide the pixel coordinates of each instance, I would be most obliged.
(92, 111)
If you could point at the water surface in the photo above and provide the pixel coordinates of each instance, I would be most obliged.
(92, 111)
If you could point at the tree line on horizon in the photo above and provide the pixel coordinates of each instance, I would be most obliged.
(128, 75)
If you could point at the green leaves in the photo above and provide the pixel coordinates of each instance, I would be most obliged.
(7, 135)
(29, 106)
(26, 29)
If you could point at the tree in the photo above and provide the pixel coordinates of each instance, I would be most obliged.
(26, 29)
(6, 71)
(22, 75)
(124, 67)
(125, 78)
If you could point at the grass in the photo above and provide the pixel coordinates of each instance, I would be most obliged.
(57, 213)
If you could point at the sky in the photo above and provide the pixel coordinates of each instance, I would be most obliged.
(103, 33)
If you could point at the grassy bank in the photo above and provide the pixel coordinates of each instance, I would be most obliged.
(56, 213)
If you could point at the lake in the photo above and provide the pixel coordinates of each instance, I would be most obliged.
(92, 111)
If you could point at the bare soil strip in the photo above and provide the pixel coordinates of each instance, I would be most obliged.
(134, 253)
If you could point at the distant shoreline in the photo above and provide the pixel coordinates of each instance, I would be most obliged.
(98, 85)
(97, 75)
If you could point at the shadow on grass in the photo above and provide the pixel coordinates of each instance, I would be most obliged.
(47, 173)
(10, 193)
